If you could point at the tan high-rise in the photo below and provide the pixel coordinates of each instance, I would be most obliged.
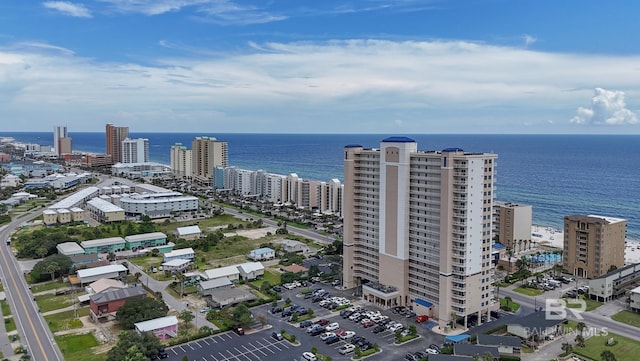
(512, 225)
(115, 135)
(206, 154)
(593, 244)
(417, 228)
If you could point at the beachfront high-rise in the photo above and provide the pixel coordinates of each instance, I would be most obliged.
(417, 228)
(181, 160)
(61, 140)
(512, 225)
(593, 245)
(115, 136)
(135, 150)
(207, 153)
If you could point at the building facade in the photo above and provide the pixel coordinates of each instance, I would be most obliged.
(59, 132)
(593, 245)
(115, 136)
(135, 150)
(512, 225)
(417, 228)
(207, 153)
(181, 160)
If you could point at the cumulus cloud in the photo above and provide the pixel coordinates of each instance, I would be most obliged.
(607, 108)
(68, 8)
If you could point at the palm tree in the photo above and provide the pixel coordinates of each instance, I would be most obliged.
(509, 254)
(52, 268)
(567, 348)
(607, 355)
(520, 245)
(579, 341)
(580, 326)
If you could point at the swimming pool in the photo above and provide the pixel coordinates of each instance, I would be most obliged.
(544, 258)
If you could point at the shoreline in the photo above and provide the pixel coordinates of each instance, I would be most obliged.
(549, 236)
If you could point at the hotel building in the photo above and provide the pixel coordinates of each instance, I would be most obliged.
(135, 150)
(207, 153)
(512, 225)
(61, 140)
(417, 228)
(593, 244)
(115, 136)
(181, 160)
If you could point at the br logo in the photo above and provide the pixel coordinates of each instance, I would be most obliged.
(556, 309)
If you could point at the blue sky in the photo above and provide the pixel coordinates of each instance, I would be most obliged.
(322, 66)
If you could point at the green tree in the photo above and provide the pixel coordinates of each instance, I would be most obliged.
(134, 354)
(241, 315)
(580, 326)
(146, 342)
(567, 348)
(186, 316)
(579, 341)
(487, 356)
(140, 309)
(52, 268)
(607, 355)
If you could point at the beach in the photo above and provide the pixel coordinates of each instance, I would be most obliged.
(555, 238)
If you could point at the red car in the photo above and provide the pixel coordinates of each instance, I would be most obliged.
(367, 324)
(322, 322)
(422, 318)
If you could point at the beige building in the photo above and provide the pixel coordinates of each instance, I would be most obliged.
(593, 244)
(181, 160)
(512, 225)
(115, 136)
(206, 154)
(49, 216)
(417, 228)
(104, 211)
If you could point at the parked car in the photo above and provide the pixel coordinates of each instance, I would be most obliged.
(331, 340)
(347, 335)
(434, 347)
(276, 309)
(205, 309)
(322, 321)
(326, 335)
(333, 326)
(239, 330)
(309, 356)
(378, 329)
(305, 324)
(345, 349)
(277, 288)
(422, 318)
(366, 323)
(277, 335)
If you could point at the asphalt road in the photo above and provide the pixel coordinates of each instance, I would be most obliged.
(34, 332)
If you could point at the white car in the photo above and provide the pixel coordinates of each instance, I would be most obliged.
(347, 335)
(354, 316)
(332, 326)
(309, 356)
(396, 327)
(326, 335)
(345, 349)
(391, 324)
(431, 351)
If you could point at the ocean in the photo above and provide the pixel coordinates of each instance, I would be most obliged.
(557, 174)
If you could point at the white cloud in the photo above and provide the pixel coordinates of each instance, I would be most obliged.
(349, 86)
(529, 40)
(607, 108)
(68, 8)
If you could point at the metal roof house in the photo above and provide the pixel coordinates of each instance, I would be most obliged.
(69, 249)
(183, 253)
(104, 245)
(190, 232)
(89, 275)
(230, 272)
(106, 304)
(261, 254)
(145, 240)
(163, 327)
(250, 270)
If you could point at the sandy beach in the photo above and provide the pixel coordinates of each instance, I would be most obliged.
(555, 238)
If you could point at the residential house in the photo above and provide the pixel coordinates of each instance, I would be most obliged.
(145, 240)
(230, 272)
(468, 349)
(507, 345)
(534, 328)
(293, 246)
(250, 270)
(104, 245)
(262, 254)
(176, 265)
(207, 288)
(183, 253)
(105, 305)
(114, 271)
(69, 249)
(190, 232)
(163, 327)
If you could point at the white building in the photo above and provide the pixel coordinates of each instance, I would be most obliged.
(634, 299)
(250, 270)
(135, 150)
(181, 160)
(183, 253)
(89, 275)
(261, 254)
(69, 249)
(176, 265)
(59, 132)
(158, 205)
(140, 170)
(189, 232)
(230, 272)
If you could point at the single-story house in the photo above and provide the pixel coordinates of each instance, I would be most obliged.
(115, 271)
(250, 270)
(293, 246)
(230, 296)
(261, 254)
(206, 288)
(69, 249)
(468, 349)
(104, 285)
(163, 327)
(183, 253)
(509, 345)
(176, 265)
(106, 304)
(230, 272)
(534, 328)
(191, 278)
(189, 232)
(294, 268)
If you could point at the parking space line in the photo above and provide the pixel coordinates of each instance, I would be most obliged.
(173, 350)
(205, 341)
(243, 354)
(223, 356)
(232, 355)
(257, 349)
(213, 357)
(183, 350)
(251, 352)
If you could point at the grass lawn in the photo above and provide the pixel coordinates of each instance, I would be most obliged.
(46, 286)
(204, 223)
(528, 291)
(9, 324)
(591, 304)
(625, 350)
(628, 317)
(6, 311)
(270, 276)
(77, 347)
(50, 302)
(65, 321)
(513, 306)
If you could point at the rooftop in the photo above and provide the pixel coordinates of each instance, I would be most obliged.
(221, 272)
(215, 283)
(188, 230)
(76, 198)
(102, 242)
(69, 248)
(116, 295)
(398, 140)
(103, 205)
(536, 320)
(145, 237)
(156, 323)
(89, 272)
(491, 340)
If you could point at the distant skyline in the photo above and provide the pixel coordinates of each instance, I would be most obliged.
(368, 66)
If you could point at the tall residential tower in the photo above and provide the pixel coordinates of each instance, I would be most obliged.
(206, 154)
(417, 228)
(135, 150)
(61, 140)
(115, 135)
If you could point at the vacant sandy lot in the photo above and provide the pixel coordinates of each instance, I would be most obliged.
(252, 233)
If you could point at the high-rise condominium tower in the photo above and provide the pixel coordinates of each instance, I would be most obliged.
(181, 160)
(417, 228)
(61, 140)
(593, 245)
(115, 135)
(206, 154)
(135, 150)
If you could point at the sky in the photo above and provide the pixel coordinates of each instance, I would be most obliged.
(321, 66)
